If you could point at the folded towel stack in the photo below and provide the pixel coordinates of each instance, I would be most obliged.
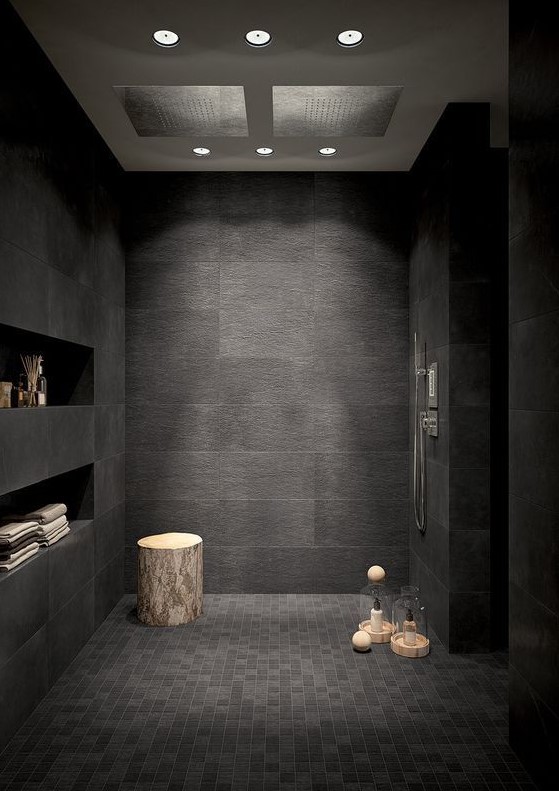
(23, 535)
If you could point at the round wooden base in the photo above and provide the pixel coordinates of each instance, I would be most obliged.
(421, 648)
(378, 637)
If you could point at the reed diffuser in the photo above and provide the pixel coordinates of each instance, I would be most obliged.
(31, 366)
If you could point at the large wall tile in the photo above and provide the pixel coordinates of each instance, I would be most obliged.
(373, 285)
(361, 523)
(194, 381)
(361, 476)
(24, 595)
(176, 283)
(108, 536)
(109, 483)
(173, 427)
(109, 378)
(179, 475)
(360, 427)
(169, 335)
(71, 438)
(340, 331)
(108, 587)
(24, 444)
(150, 517)
(288, 286)
(24, 680)
(69, 630)
(253, 332)
(248, 380)
(352, 379)
(72, 310)
(24, 294)
(266, 475)
(264, 523)
(71, 565)
(109, 430)
(258, 427)
(534, 363)
(534, 463)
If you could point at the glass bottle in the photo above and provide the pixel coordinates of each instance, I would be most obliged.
(41, 387)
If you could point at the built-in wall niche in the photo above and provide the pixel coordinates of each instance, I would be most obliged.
(74, 488)
(68, 366)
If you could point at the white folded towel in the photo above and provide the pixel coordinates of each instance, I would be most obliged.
(20, 557)
(47, 514)
(14, 530)
(54, 537)
(52, 527)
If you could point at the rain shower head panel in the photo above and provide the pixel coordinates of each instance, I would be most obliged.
(186, 110)
(333, 110)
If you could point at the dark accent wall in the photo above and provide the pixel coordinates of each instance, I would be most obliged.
(62, 289)
(267, 383)
(534, 387)
(457, 308)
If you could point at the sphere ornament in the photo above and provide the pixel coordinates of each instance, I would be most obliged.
(376, 574)
(361, 641)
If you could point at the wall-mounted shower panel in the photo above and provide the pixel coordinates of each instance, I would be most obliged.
(333, 110)
(185, 110)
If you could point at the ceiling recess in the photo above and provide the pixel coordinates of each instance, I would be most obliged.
(185, 110)
(333, 110)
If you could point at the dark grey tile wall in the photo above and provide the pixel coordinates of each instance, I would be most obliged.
(267, 375)
(458, 246)
(62, 273)
(534, 396)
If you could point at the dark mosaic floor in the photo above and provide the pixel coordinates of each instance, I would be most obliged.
(264, 692)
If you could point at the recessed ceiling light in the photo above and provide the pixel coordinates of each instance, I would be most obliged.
(201, 151)
(264, 152)
(258, 38)
(327, 152)
(166, 38)
(350, 38)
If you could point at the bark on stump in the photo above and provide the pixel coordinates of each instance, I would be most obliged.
(170, 579)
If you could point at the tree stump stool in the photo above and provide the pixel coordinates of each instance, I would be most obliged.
(170, 579)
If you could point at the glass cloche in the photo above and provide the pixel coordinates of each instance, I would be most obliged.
(409, 617)
(375, 607)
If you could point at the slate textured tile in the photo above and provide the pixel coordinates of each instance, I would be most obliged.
(469, 381)
(270, 285)
(181, 283)
(343, 568)
(110, 321)
(533, 544)
(470, 560)
(24, 678)
(351, 379)
(108, 534)
(170, 334)
(534, 465)
(247, 380)
(24, 275)
(196, 380)
(433, 548)
(150, 517)
(254, 332)
(360, 427)
(109, 430)
(266, 428)
(534, 363)
(109, 483)
(71, 565)
(24, 436)
(109, 377)
(109, 587)
(374, 285)
(70, 438)
(361, 476)
(433, 320)
(340, 331)
(329, 731)
(69, 630)
(72, 310)
(24, 604)
(266, 475)
(191, 475)
(110, 272)
(173, 427)
(263, 523)
(361, 523)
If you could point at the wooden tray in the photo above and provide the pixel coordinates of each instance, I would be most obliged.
(421, 648)
(378, 637)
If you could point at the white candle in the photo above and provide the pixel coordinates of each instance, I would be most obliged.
(376, 621)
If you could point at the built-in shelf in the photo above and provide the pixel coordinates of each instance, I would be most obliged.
(69, 367)
(76, 526)
(75, 488)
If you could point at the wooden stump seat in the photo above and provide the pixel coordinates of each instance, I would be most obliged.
(170, 579)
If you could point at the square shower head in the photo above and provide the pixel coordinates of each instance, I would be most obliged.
(186, 110)
(333, 110)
